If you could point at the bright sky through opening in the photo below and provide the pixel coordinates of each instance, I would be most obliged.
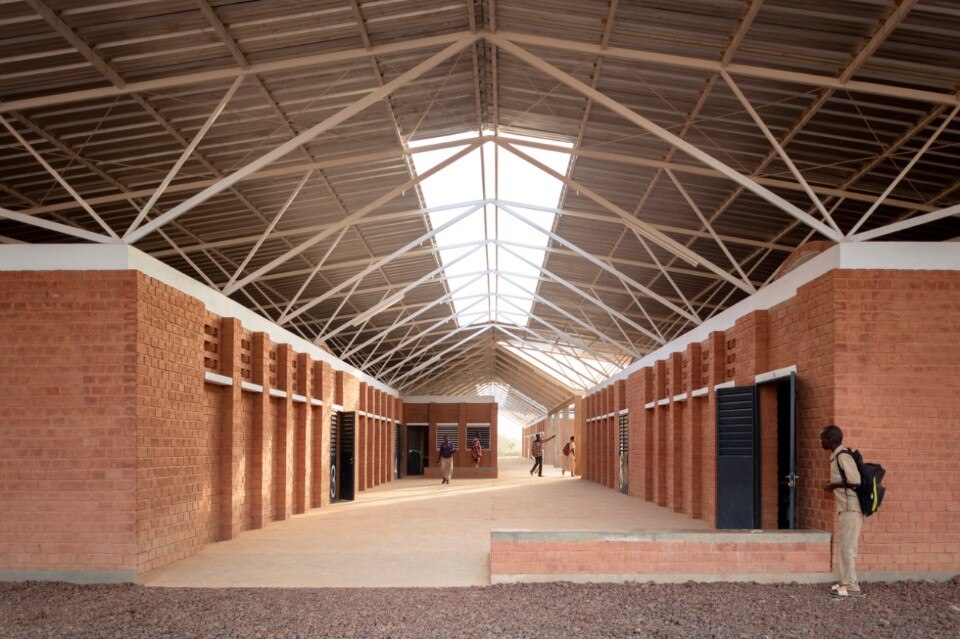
(496, 283)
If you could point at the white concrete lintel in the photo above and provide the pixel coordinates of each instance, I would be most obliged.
(729, 384)
(700, 392)
(216, 378)
(316, 402)
(337, 407)
(417, 424)
(302, 399)
(448, 424)
(251, 387)
(777, 374)
(276, 392)
(650, 405)
(624, 411)
(680, 397)
(664, 401)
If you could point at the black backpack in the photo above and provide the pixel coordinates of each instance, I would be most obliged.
(870, 491)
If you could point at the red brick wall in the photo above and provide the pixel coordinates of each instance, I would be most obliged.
(115, 455)
(897, 399)
(697, 555)
(876, 352)
(67, 421)
(460, 413)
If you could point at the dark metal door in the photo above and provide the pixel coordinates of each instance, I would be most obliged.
(334, 458)
(347, 428)
(397, 450)
(738, 459)
(624, 452)
(792, 477)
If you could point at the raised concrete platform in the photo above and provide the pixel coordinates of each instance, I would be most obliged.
(415, 532)
(662, 556)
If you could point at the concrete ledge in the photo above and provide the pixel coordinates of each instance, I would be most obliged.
(71, 576)
(709, 536)
(667, 578)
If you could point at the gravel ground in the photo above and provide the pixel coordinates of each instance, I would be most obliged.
(570, 611)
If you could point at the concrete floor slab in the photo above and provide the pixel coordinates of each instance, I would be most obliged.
(414, 532)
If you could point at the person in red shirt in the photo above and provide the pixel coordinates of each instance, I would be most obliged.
(476, 451)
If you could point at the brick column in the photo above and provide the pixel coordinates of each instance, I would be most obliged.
(692, 439)
(674, 448)
(327, 395)
(283, 482)
(715, 374)
(304, 442)
(660, 454)
(262, 444)
(231, 448)
(642, 443)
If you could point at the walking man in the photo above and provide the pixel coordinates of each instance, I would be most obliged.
(844, 479)
(445, 459)
(536, 449)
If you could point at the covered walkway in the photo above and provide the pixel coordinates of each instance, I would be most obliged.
(414, 532)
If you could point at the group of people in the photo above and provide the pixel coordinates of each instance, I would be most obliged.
(445, 457)
(569, 455)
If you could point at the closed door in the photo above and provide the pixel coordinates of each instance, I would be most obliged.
(738, 459)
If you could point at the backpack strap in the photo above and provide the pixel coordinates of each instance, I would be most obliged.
(846, 485)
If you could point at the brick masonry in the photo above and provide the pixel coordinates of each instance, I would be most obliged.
(696, 555)
(876, 352)
(461, 414)
(117, 457)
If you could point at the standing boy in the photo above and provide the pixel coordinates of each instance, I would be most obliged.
(844, 479)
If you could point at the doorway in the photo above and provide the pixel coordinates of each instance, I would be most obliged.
(347, 434)
(624, 453)
(742, 413)
(417, 459)
(334, 458)
(783, 391)
(397, 451)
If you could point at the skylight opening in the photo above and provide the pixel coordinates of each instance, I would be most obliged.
(499, 256)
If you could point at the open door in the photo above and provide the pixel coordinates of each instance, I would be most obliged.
(738, 458)
(347, 436)
(334, 458)
(397, 451)
(792, 477)
(624, 453)
(787, 451)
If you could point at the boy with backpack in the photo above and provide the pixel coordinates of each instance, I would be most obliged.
(844, 481)
(569, 457)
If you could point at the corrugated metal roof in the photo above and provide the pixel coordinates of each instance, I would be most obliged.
(110, 95)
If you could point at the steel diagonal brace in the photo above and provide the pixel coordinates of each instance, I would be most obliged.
(746, 182)
(344, 114)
